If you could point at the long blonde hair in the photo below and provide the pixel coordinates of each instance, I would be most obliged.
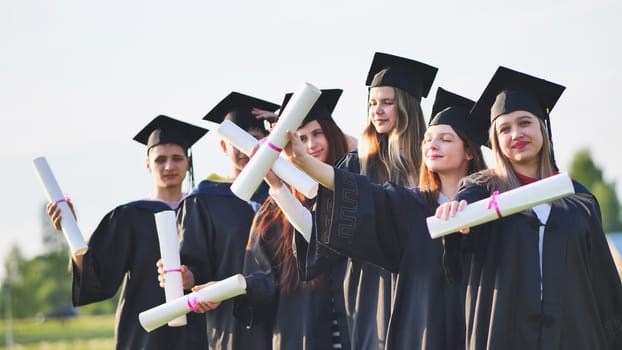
(396, 156)
(505, 177)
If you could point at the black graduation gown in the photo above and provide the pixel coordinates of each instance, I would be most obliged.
(214, 229)
(581, 302)
(386, 226)
(124, 249)
(368, 289)
(293, 320)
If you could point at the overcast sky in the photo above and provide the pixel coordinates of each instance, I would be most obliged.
(78, 79)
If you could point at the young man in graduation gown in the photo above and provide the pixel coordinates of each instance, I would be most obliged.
(215, 223)
(124, 247)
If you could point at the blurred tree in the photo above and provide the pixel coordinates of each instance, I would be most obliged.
(43, 284)
(584, 170)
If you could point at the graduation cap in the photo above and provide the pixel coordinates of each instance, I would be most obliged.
(509, 91)
(412, 76)
(237, 107)
(323, 107)
(454, 110)
(163, 129)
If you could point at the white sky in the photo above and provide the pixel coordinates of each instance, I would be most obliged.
(78, 79)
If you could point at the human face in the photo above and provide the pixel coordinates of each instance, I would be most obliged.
(382, 113)
(238, 159)
(168, 164)
(444, 151)
(520, 139)
(314, 139)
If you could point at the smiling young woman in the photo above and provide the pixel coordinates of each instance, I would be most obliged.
(543, 278)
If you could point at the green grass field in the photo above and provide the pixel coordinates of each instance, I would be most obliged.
(81, 332)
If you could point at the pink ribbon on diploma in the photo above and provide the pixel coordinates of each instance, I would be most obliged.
(172, 270)
(270, 144)
(192, 303)
(61, 200)
(494, 204)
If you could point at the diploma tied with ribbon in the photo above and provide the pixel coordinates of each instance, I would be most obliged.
(68, 223)
(219, 291)
(292, 116)
(245, 142)
(166, 225)
(499, 205)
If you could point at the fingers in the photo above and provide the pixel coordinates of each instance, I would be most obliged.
(205, 306)
(253, 151)
(161, 274)
(187, 277)
(449, 210)
(54, 214)
(261, 114)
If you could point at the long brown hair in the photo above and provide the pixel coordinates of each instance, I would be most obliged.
(430, 182)
(396, 156)
(272, 227)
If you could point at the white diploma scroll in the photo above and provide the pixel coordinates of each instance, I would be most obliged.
(294, 113)
(504, 204)
(166, 224)
(245, 142)
(219, 291)
(55, 195)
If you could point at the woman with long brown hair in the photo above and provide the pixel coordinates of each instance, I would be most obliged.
(291, 313)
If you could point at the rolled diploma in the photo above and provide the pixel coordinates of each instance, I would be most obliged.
(54, 194)
(245, 142)
(166, 225)
(510, 202)
(219, 291)
(249, 179)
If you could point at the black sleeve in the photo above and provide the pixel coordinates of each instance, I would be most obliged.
(196, 232)
(257, 306)
(456, 245)
(107, 259)
(367, 221)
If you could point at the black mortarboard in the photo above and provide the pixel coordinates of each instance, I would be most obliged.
(454, 110)
(412, 76)
(237, 107)
(322, 108)
(163, 129)
(510, 91)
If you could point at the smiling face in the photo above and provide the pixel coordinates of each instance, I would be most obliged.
(444, 151)
(314, 139)
(168, 164)
(520, 139)
(382, 110)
